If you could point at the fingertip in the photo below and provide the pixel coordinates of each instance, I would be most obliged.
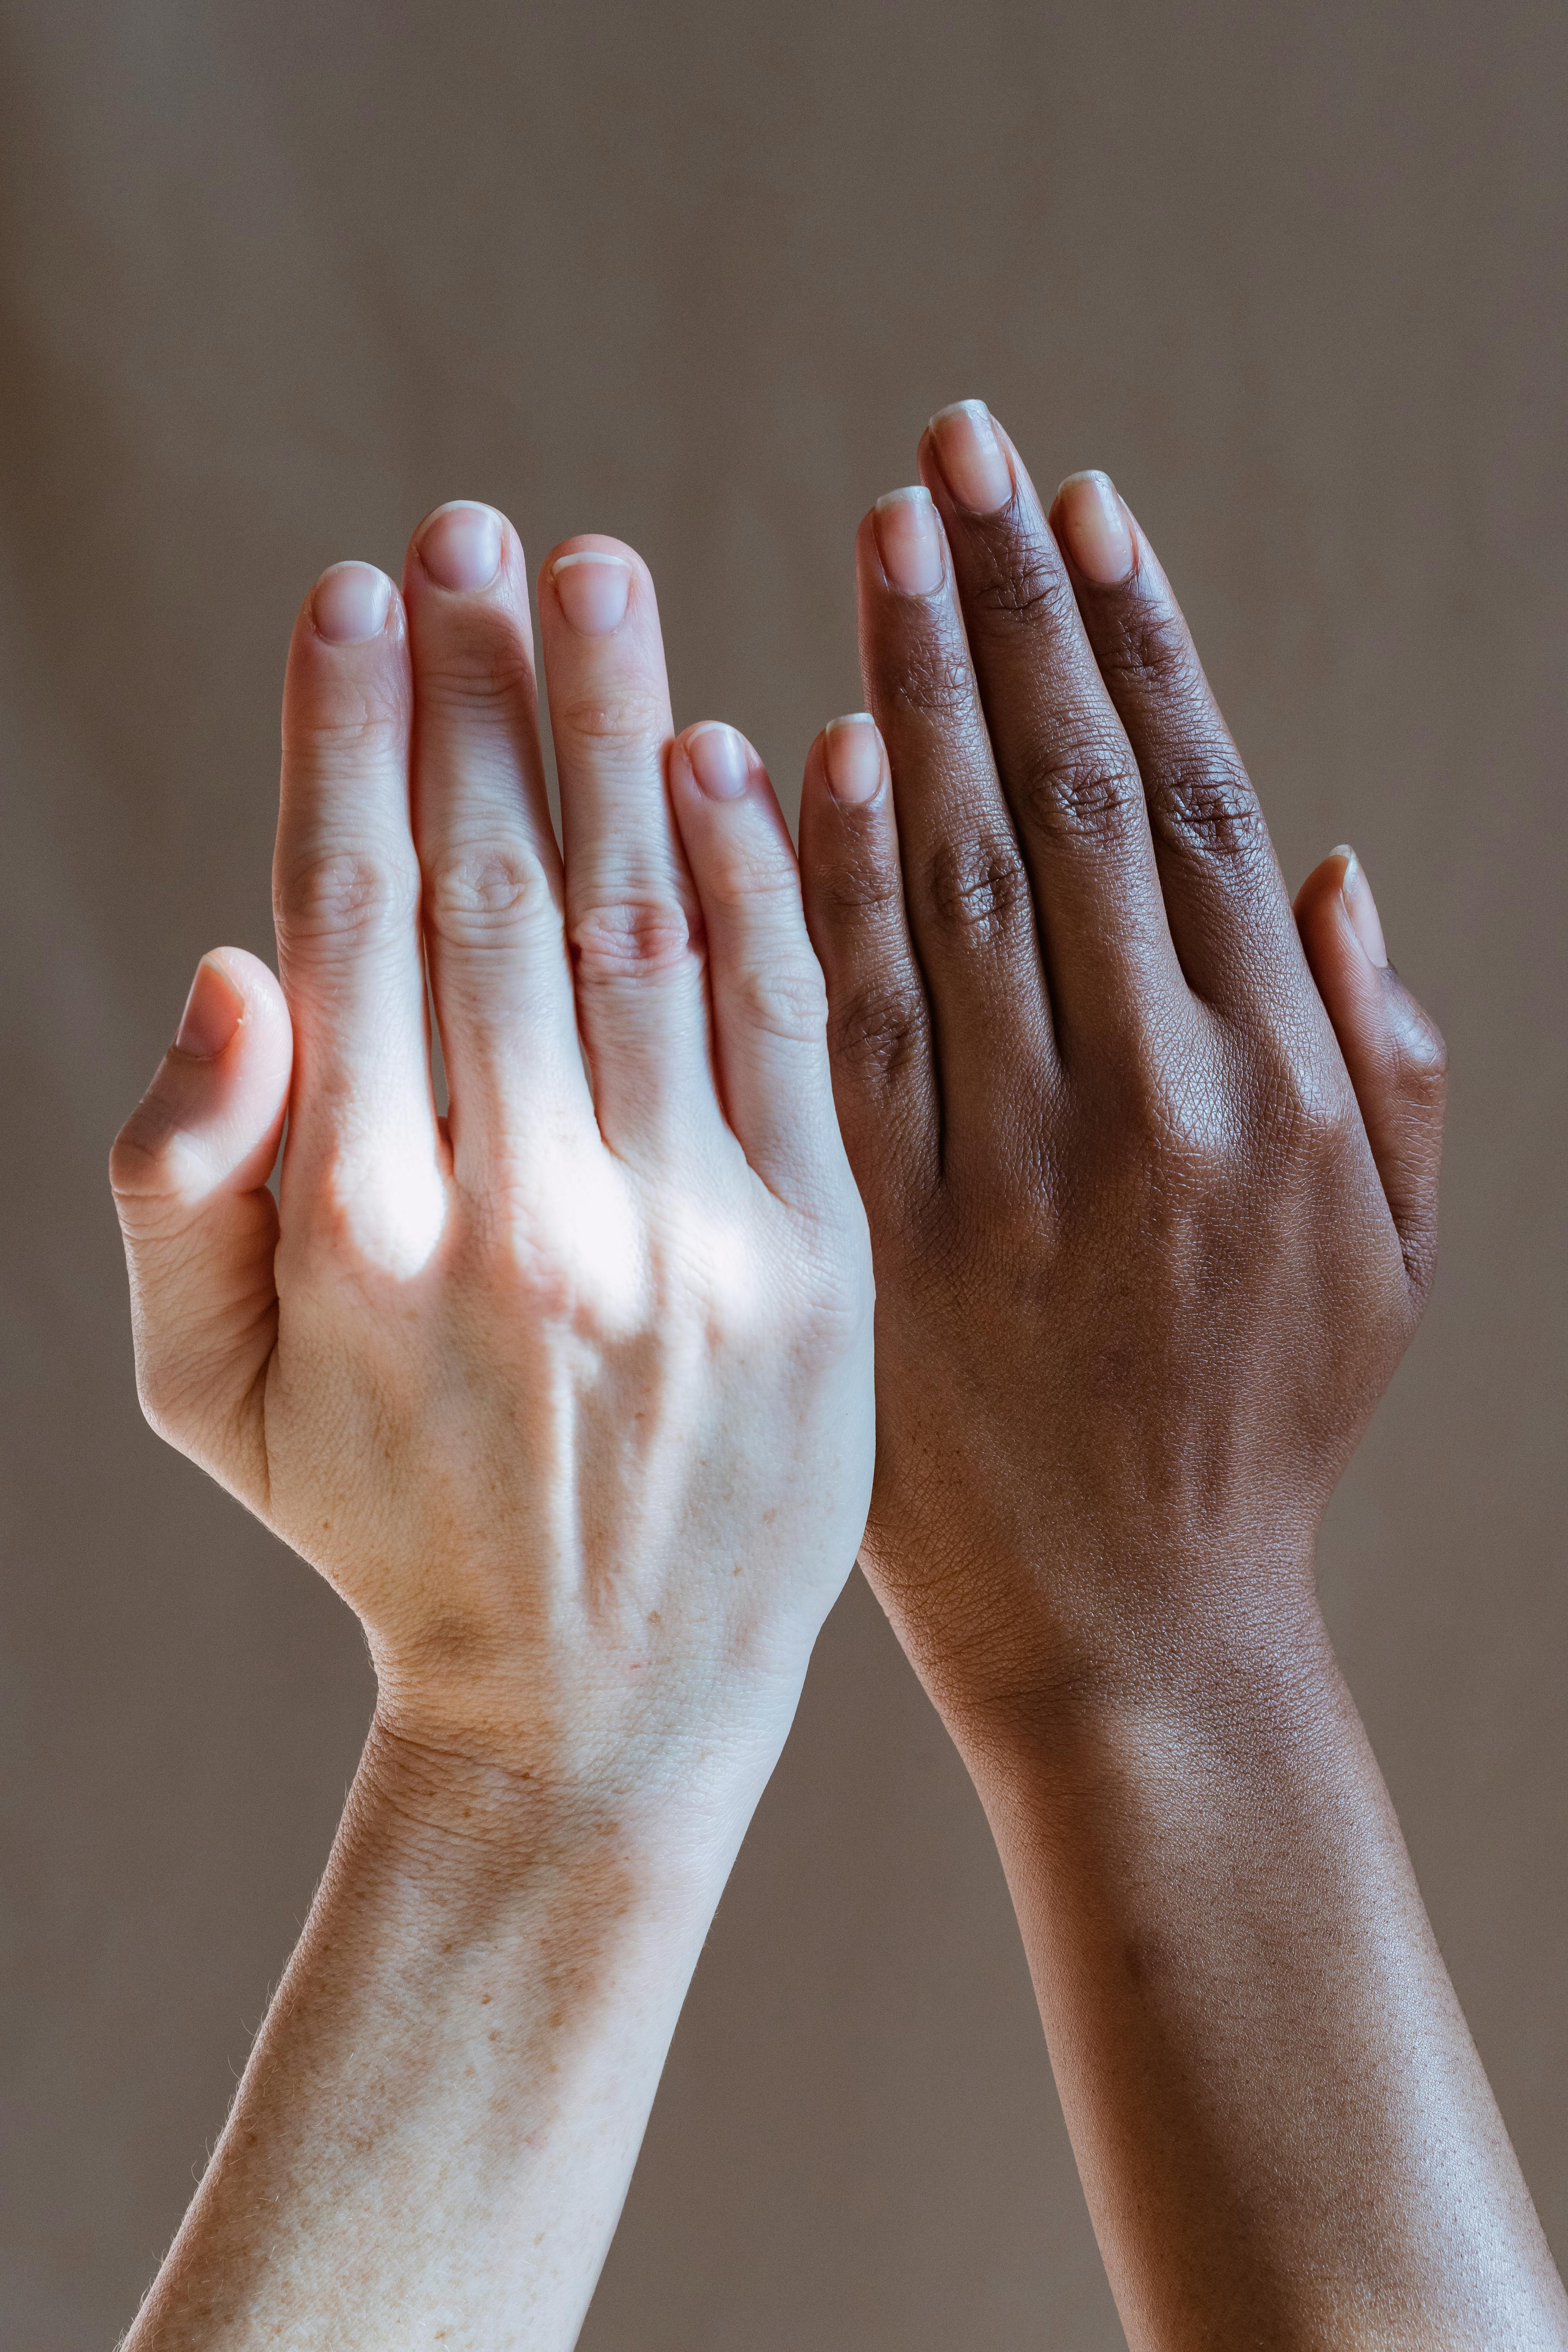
(960, 455)
(1094, 527)
(814, 792)
(1314, 901)
(1335, 905)
(351, 605)
(264, 1008)
(349, 648)
(1361, 908)
(814, 784)
(581, 546)
(1339, 963)
(869, 572)
(854, 760)
(594, 582)
(910, 543)
(461, 546)
(721, 763)
(1393, 1051)
(214, 1110)
(1329, 873)
(213, 1011)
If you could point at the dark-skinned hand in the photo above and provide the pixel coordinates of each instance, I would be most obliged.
(1149, 1161)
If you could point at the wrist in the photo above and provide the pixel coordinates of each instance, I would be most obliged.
(1248, 1715)
(1187, 1638)
(459, 1804)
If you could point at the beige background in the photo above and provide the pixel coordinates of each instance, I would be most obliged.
(275, 279)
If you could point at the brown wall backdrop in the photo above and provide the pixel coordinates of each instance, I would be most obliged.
(278, 277)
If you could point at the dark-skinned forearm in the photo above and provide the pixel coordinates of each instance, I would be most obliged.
(1283, 2128)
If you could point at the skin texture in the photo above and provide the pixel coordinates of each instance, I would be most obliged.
(1150, 1162)
(567, 1393)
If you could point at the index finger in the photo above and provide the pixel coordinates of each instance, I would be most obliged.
(346, 904)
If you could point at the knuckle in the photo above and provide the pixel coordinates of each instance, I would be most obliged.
(475, 672)
(743, 879)
(350, 894)
(783, 1000)
(630, 938)
(1209, 804)
(1293, 1106)
(876, 1032)
(934, 680)
(1150, 643)
(1190, 1142)
(1313, 1123)
(477, 893)
(1026, 585)
(149, 1173)
(136, 1169)
(976, 886)
(630, 714)
(859, 894)
(359, 721)
(1177, 1109)
(1203, 797)
(1081, 789)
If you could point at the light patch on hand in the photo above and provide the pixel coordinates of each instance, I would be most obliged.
(721, 1252)
(579, 1230)
(396, 1211)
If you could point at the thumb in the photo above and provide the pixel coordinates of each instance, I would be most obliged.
(189, 1172)
(1393, 1051)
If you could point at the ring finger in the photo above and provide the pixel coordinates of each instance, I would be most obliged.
(632, 917)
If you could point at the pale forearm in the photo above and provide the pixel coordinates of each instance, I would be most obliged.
(435, 2133)
(1283, 2127)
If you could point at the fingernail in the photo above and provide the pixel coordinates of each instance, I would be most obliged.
(721, 760)
(1361, 906)
(1095, 527)
(852, 754)
(908, 541)
(594, 590)
(214, 1010)
(351, 604)
(461, 545)
(972, 457)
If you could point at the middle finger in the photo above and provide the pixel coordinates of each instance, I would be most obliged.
(632, 915)
(1066, 765)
